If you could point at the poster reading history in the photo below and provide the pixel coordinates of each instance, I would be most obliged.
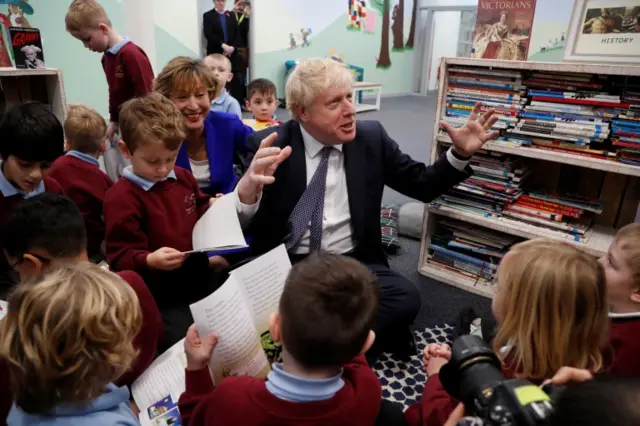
(503, 29)
(609, 27)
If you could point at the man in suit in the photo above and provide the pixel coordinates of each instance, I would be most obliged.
(219, 29)
(317, 182)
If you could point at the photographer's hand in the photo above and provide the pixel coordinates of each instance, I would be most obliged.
(455, 416)
(569, 374)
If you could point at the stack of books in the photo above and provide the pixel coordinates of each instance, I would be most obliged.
(499, 90)
(497, 181)
(468, 250)
(571, 215)
(626, 129)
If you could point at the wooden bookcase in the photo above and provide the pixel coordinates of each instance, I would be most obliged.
(617, 185)
(43, 85)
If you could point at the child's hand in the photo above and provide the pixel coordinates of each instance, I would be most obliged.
(112, 130)
(436, 350)
(165, 259)
(198, 350)
(434, 364)
(218, 263)
(214, 199)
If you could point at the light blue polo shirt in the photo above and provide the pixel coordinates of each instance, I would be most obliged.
(143, 183)
(227, 103)
(8, 190)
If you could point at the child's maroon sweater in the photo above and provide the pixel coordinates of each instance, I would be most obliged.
(625, 342)
(129, 75)
(139, 222)
(246, 401)
(86, 185)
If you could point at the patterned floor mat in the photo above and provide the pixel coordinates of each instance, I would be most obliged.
(403, 382)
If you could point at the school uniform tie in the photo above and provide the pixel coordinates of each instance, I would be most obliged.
(309, 211)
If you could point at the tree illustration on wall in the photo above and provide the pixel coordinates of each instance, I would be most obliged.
(398, 26)
(412, 29)
(383, 6)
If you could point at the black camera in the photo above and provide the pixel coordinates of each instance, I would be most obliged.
(474, 377)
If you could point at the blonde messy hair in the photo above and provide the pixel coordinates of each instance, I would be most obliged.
(553, 304)
(67, 334)
(85, 15)
(85, 130)
(153, 118)
(628, 240)
(183, 75)
(312, 77)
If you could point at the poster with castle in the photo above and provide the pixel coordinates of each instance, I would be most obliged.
(503, 29)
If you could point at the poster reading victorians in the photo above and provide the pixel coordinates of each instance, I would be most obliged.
(610, 28)
(503, 29)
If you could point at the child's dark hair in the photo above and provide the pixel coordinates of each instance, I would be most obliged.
(31, 132)
(605, 400)
(261, 86)
(327, 309)
(47, 221)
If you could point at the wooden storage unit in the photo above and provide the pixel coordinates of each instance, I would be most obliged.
(43, 85)
(615, 184)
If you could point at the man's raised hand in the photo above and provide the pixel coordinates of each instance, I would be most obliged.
(472, 136)
(264, 164)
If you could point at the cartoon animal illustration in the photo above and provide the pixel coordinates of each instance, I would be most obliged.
(292, 41)
(357, 13)
(31, 53)
(305, 32)
(16, 11)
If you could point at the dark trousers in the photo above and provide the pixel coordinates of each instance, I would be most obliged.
(237, 87)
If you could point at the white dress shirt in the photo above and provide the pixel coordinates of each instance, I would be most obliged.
(337, 232)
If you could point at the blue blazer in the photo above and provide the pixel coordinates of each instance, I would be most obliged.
(224, 134)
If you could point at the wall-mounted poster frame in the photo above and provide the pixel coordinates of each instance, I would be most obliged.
(604, 31)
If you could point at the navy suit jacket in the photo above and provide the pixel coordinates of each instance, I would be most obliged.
(371, 161)
(224, 136)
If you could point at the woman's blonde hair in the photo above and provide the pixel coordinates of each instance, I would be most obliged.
(628, 241)
(554, 309)
(67, 334)
(184, 74)
(312, 77)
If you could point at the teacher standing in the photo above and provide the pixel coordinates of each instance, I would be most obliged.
(214, 139)
(316, 183)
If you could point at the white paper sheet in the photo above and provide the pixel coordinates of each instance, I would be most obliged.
(219, 228)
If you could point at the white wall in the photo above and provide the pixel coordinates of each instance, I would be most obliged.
(446, 28)
(139, 27)
(447, 3)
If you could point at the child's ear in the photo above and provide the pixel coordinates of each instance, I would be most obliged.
(104, 28)
(247, 104)
(230, 77)
(123, 148)
(103, 147)
(635, 296)
(274, 326)
(369, 342)
(66, 146)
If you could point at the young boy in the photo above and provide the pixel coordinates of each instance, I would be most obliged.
(220, 65)
(32, 139)
(79, 172)
(262, 103)
(150, 213)
(326, 313)
(622, 272)
(47, 231)
(126, 66)
(67, 336)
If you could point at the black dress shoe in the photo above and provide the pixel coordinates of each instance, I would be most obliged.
(405, 346)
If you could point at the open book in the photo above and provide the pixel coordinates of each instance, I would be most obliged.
(239, 312)
(219, 228)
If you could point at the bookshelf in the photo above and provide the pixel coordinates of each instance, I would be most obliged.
(614, 184)
(23, 85)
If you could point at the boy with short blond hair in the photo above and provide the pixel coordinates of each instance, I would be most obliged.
(127, 67)
(220, 65)
(325, 319)
(79, 174)
(262, 102)
(66, 337)
(151, 211)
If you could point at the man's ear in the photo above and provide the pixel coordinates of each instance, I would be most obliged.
(369, 342)
(123, 148)
(274, 326)
(30, 265)
(635, 296)
(301, 112)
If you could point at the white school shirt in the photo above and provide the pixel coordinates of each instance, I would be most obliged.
(336, 224)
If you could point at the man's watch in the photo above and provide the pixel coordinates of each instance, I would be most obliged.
(459, 156)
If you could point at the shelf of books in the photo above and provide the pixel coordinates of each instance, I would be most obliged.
(26, 85)
(566, 165)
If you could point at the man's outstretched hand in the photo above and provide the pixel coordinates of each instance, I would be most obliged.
(263, 166)
(472, 136)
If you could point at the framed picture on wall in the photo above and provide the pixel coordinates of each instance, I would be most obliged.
(604, 31)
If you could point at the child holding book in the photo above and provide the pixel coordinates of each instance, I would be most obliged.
(150, 213)
(220, 65)
(622, 270)
(79, 174)
(32, 139)
(66, 337)
(562, 290)
(325, 321)
(262, 103)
